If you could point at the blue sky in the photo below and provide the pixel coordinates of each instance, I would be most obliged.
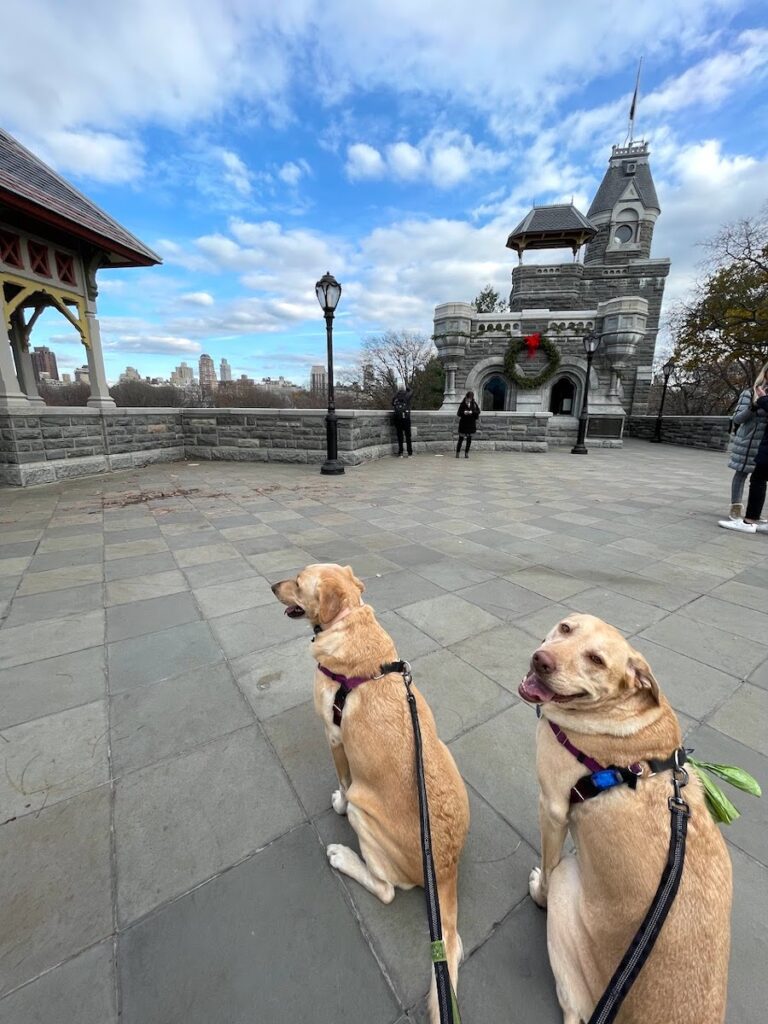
(395, 143)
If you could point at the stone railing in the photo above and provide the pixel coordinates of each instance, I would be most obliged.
(690, 431)
(50, 444)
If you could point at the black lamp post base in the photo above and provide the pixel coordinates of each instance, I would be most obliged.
(332, 467)
(579, 449)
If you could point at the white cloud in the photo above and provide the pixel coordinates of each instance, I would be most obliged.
(152, 343)
(236, 174)
(445, 158)
(292, 172)
(198, 298)
(363, 161)
(405, 160)
(100, 156)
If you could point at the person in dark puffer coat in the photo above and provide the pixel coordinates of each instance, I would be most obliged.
(468, 413)
(749, 424)
(758, 481)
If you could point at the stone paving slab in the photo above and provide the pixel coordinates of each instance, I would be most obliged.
(166, 783)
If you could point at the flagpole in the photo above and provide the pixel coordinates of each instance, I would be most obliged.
(633, 107)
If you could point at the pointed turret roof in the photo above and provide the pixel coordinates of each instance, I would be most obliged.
(30, 186)
(627, 164)
(559, 226)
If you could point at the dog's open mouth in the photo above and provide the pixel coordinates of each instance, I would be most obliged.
(294, 611)
(536, 691)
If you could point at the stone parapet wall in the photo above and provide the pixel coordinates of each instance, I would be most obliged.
(690, 431)
(50, 445)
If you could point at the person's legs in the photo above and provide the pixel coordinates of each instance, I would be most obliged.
(458, 445)
(737, 487)
(469, 442)
(399, 429)
(407, 429)
(756, 496)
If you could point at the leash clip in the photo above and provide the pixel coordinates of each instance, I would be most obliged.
(679, 781)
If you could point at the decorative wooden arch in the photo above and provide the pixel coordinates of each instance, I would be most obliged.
(58, 298)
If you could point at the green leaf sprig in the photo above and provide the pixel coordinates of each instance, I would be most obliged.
(721, 808)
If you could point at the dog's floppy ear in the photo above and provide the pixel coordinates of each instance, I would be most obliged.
(639, 675)
(351, 573)
(329, 599)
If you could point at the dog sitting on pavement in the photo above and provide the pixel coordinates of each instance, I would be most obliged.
(371, 741)
(599, 696)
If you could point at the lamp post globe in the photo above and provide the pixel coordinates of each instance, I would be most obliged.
(328, 292)
(666, 370)
(591, 344)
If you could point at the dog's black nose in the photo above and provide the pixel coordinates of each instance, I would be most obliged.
(543, 662)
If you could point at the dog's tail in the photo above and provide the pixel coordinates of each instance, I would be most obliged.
(449, 908)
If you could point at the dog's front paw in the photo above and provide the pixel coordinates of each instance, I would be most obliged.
(536, 887)
(339, 802)
(337, 855)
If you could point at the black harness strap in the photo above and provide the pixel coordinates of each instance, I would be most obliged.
(339, 700)
(446, 1000)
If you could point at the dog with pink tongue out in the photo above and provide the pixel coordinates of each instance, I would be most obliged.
(599, 701)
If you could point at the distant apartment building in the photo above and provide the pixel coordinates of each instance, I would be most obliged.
(129, 373)
(208, 382)
(66, 378)
(44, 361)
(82, 375)
(225, 372)
(183, 376)
(278, 386)
(318, 379)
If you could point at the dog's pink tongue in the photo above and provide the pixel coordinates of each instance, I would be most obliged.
(532, 688)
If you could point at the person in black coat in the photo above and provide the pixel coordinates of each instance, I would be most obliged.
(758, 481)
(401, 405)
(468, 413)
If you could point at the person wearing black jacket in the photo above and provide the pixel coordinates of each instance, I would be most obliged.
(468, 413)
(758, 481)
(401, 404)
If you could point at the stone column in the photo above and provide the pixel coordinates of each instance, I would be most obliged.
(449, 394)
(100, 396)
(12, 398)
(24, 368)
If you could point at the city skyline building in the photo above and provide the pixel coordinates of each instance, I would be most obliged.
(207, 374)
(129, 373)
(183, 376)
(44, 361)
(225, 372)
(82, 375)
(318, 378)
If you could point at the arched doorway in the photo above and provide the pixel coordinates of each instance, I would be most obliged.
(494, 397)
(562, 400)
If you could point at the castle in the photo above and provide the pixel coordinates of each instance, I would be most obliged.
(615, 290)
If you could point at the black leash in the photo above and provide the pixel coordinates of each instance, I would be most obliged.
(446, 999)
(640, 948)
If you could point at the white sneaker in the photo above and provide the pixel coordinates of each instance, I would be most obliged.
(761, 526)
(740, 525)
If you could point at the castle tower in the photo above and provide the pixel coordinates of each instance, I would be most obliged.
(625, 208)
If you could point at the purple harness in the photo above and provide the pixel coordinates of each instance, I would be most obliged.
(601, 778)
(346, 685)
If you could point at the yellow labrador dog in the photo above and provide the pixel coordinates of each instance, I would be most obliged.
(371, 740)
(601, 695)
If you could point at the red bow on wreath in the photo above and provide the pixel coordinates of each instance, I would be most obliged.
(532, 342)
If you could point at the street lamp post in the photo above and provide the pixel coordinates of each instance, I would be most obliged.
(666, 369)
(591, 342)
(328, 291)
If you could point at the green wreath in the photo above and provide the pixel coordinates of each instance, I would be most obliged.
(523, 382)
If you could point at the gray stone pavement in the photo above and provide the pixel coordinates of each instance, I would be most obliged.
(166, 789)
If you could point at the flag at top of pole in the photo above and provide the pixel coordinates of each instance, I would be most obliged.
(633, 107)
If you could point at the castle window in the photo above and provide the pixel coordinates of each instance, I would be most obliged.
(626, 227)
(494, 397)
(562, 400)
